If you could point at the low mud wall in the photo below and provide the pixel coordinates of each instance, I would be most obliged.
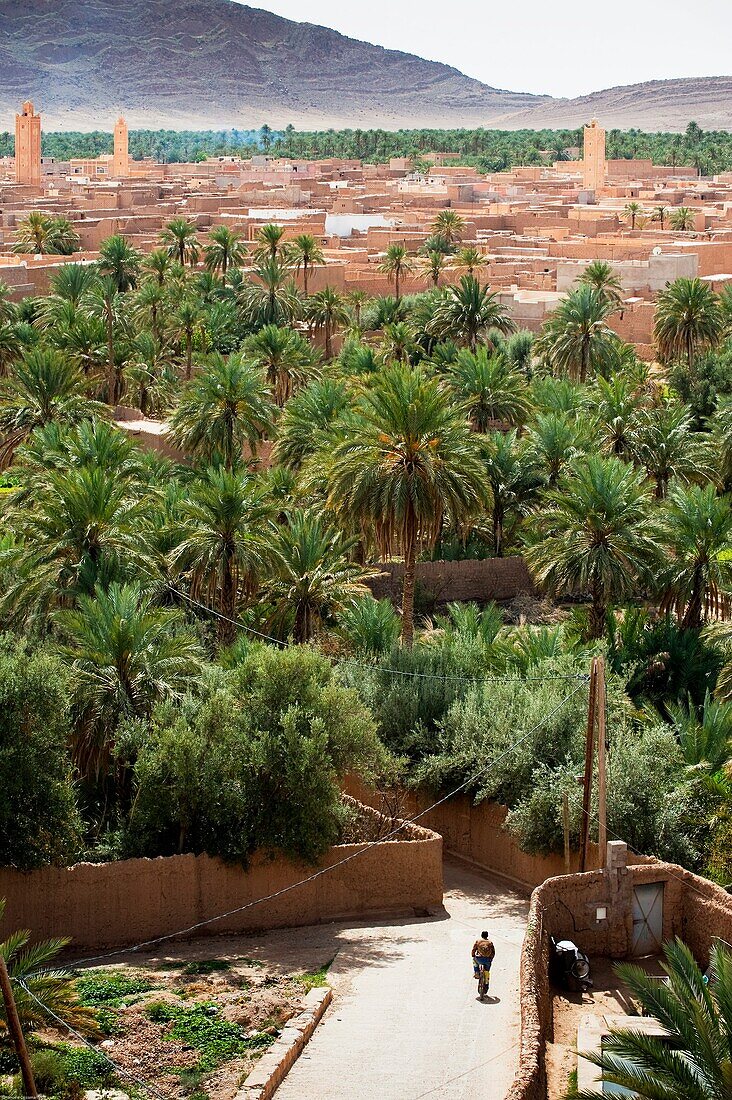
(473, 832)
(694, 909)
(444, 581)
(113, 904)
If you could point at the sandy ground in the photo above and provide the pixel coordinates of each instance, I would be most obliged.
(405, 1021)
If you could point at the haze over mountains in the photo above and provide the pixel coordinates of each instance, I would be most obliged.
(208, 64)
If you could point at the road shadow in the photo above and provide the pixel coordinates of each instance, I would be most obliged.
(489, 1000)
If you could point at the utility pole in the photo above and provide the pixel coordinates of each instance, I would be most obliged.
(13, 1022)
(565, 825)
(601, 773)
(589, 767)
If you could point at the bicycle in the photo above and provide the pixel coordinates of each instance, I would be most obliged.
(484, 980)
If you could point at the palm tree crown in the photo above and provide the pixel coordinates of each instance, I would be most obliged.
(408, 458)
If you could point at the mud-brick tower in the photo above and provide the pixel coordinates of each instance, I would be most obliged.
(28, 146)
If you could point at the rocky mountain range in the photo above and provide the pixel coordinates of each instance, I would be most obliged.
(206, 64)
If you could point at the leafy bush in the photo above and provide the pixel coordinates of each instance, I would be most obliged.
(111, 988)
(254, 761)
(39, 819)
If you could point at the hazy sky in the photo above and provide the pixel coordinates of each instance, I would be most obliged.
(560, 47)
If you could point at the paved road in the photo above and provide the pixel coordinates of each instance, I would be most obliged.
(405, 1021)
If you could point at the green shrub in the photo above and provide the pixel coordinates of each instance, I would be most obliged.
(39, 819)
(202, 1027)
(255, 761)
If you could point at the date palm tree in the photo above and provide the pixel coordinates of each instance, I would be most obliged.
(119, 261)
(631, 212)
(490, 388)
(555, 439)
(307, 422)
(471, 259)
(180, 236)
(576, 340)
(396, 265)
(159, 267)
(688, 319)
(312, 578)
(186, 322)
(660, 215)
(225, 406)
(692, 1060)
(40, 234)
(42, 388)
(399, 342)
(269, 243)
(225, 249)
(618, 406)
(104, 300)
(87, 527)
(271, 297)
(432, 267)
(408, 458)
(285, 357)
(595, 536)
(682, 219)
(450, 225)
(221, 541)
(43, 981)
(467, 312)
(514, 478)
(306, 255)
(149, 304)
(327, 311)
(600, 275)
(695, 528)
(664, 442)
(126, 655)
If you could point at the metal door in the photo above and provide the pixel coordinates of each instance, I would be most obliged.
(647, 918)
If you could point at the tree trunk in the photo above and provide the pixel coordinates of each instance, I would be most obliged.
(692, 619)
(410, 567)
(328, 347)
(305, 277)
(598, 612)
(227, 629)
(112, 381)
(396, 286)
(189, 355)
(498, 531)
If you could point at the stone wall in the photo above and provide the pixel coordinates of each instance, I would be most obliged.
(112, 904)
(566, 907)
(484, 580)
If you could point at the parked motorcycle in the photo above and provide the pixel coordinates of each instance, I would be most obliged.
(569, 967)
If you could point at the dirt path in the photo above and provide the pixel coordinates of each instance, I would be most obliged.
(405, 1022)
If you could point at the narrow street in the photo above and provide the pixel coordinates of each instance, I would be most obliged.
(405, 1022)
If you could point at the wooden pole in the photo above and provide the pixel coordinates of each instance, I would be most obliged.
(13, 1022)
(589, 762)
(601, 763)
(565, 824)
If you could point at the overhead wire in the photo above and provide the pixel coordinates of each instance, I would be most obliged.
(368, 846)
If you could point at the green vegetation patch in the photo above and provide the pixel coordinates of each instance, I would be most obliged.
(202, 1027)
(206, 966)
(111, 988)
(316, 978)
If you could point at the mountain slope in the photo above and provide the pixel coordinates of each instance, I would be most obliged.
(656, 105)
(205, 64)
(213, 63)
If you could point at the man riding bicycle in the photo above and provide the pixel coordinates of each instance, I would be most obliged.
(483, 954)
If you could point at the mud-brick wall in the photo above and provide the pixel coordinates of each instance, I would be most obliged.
(487, 579)
(693, 908)
(112, 904)
(474, 832)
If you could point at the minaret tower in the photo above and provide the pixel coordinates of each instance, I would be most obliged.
(121, 158)
(28, 146)
(594, 163)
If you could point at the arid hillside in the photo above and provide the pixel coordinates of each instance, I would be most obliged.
(205, 64)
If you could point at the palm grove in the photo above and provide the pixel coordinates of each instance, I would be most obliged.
(192, 660)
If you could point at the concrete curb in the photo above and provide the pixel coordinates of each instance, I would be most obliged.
(271, 1070)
